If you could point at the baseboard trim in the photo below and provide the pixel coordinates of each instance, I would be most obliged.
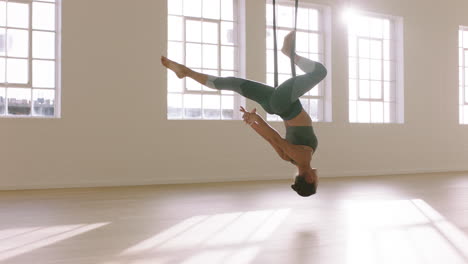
(121, 183)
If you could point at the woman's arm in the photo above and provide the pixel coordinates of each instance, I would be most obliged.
(266, 131)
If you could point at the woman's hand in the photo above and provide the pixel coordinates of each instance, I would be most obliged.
(249, 117)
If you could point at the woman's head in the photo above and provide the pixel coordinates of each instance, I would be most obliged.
(304, 188)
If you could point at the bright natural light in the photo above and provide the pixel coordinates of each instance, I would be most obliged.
(222, 238)
(18, 241)
(401, 231)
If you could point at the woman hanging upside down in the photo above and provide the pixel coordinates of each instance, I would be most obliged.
(301, 142)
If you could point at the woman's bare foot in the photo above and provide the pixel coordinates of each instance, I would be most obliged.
(287, 43)
(179, 69)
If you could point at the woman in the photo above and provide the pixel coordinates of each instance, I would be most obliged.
(301, 142)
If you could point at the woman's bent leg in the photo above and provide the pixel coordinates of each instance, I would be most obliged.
(290, 91)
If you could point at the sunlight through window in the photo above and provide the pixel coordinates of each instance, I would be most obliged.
(15, 242)
(223, 238)
(401, 231)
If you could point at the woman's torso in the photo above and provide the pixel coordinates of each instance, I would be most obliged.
(299, 131)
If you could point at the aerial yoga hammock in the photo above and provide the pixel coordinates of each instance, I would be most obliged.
(300, 142)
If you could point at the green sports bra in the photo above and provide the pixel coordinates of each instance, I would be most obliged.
(302, 135)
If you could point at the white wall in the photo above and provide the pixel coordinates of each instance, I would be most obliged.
(114, 129)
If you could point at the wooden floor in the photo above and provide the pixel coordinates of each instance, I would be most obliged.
(378, 220)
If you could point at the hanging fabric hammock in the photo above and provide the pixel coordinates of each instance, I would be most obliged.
(275, 44)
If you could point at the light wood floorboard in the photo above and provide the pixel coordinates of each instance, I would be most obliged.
(377, 220)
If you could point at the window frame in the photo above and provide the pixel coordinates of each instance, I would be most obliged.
(238, 71)
(396, 74)
(58, 61)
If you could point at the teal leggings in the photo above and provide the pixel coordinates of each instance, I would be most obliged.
(282, 101)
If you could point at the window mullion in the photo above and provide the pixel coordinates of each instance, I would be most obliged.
(30, 67)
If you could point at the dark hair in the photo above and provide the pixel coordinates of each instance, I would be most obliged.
(303, 188)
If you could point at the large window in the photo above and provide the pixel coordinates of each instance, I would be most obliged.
(203, 35)
(375, 69)
(463, 74)
(312, 42)
(29, 58)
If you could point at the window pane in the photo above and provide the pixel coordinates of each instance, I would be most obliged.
(303, 23)
(376, 90)
(466, 76)
(228, 36)
(285, 16)
(363, 26)
(314, 109)
(3, 39)
(364, 48)
(18, 15)
(313, 19)
(193, 31)
(17, 71)
(466, 59)
(210, 56)
(376, 70)
(377, 112)
(211, 9)
(43, 102)
(353, 68)
(175, 28)
(352, 46)
(352, 89)
(386, 29)
(227, 10)
(352, 111)
(2, 101)
(363, 110)
(211, 106)
(376, 28)
(2, 13)
(465, 39)
(314, 43)
(386, 49)
(192, 106)
(193, 55)
(210, 32)
(174, 84)
(376, 49)
(174, 7)
(19, 101)
(192, 8)
(2, 70)
(466, 94)
(387, 71)
(364, 69)
(227, 58)
(227, 106)
(174, 106)
(364, 89)
(176, 51)
(17, 43)
(43, 45)
(43, 16)
(465, 114)
(302, 42)
(43, 74)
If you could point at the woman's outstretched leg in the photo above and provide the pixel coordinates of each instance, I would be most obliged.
(258, 92)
